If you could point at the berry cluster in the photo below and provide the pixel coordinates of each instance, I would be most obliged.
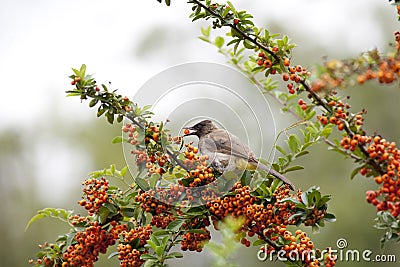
(89, 244)
(200, 173)
(195, 241)
(295, 74)
(382, 156)
(257, 215)
(260, 216)
(46, 260)
(369, 66)
(153, 157)
(339, 114)
(129, 256)
(132, 246)
(95, 194)
(297, 245)
(388, 157)
(150, 204)
(77, 220)
(387, 72)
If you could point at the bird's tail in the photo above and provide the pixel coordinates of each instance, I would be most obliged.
(276, 174)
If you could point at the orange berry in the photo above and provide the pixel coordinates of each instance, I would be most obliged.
(285, 77)
(267, 63)
(286, 62)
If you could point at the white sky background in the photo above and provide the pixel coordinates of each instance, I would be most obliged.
(40, 40)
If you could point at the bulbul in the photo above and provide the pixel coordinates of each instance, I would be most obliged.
(225, 150)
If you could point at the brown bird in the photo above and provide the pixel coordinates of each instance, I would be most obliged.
(226, 150)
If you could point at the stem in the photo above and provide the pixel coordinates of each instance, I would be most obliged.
(169, 247)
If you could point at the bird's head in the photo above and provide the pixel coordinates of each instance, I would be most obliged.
(200, 129)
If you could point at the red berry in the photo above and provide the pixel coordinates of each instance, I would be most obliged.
(285, 77)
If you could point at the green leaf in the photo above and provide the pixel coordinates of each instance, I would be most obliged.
(258, 242)
(147, 257)
(110, 117)
(124, 170)
(206, 31)
(304, 198)
(302, 153)
(128, 212)
(142, 183)
(115, 253)
(117, 140)
(205, 39)
(82, 71)
(60, 214)
(73, 94)
(323, 201)
(174, 255)
(329, 217)
(248, 44)
(326, 132)
(196, 211)
(161, 232)
(294, 143)
(77, 73)
(233, 42)
(219, 41)
(175, 225)
(154, 179)
(103, 213)
(294, 168)
(93, 102)
(246, 178)
(355, 172)
(280, 149)
(231, 6)
(196, 231)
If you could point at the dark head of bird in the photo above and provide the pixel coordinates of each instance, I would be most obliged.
(202, 128)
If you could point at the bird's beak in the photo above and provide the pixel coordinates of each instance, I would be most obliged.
(189, 131)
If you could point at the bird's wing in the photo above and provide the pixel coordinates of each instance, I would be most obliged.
(227, 143)
(220, 142)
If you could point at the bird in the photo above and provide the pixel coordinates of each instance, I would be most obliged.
(225, 150)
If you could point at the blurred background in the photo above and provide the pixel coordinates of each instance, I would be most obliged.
(48, 143)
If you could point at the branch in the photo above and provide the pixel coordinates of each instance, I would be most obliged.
(242, 33)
